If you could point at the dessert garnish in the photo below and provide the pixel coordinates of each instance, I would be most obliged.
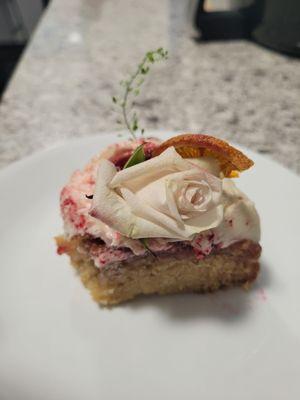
(146, 216)
(132, 87)
(231, 160)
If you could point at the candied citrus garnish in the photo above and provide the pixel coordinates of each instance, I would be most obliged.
(232, 161)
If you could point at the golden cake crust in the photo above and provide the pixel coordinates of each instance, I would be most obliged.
(236, 265)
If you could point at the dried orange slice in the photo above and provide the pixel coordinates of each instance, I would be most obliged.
(232, 161)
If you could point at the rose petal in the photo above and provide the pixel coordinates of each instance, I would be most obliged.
(107, 205)
(166, 225)
(140, 175)
(142, 201)
(172, 205)
(207, 220)
(159, 196)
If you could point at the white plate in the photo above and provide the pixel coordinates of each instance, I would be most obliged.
(56, 343)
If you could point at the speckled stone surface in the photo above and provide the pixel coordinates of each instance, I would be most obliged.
(81, 49)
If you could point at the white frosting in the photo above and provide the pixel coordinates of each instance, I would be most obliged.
(239, 218)
(208, 163)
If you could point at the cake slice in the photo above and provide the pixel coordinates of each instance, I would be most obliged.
(146, 217)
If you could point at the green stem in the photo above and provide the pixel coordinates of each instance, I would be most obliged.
(124, 112)
(126, 94)
(131, 122)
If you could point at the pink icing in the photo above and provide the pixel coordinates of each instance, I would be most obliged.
(74, 204)
(75, 207)
(204, 244)
(108, 255)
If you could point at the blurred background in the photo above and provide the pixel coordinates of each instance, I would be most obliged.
(233, 70)
(18, 19)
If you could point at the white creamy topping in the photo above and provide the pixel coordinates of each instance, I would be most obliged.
(241, 220)
(208, 163)
(189, 197)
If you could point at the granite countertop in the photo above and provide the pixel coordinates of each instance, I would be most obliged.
(81, 49)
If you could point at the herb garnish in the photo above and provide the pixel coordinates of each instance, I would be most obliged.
(136, 157)
(132, 88)
(145, 244)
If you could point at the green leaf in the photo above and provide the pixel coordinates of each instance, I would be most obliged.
(114, 99)
(145, 70)
(137, 157)
(150, 56)
(135, 125)
(145, 244)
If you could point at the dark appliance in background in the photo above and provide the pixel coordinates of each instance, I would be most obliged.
(18, 19)
(272, 23)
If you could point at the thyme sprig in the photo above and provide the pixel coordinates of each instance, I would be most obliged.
(132, 87)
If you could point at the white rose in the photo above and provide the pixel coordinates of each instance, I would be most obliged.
(166, 196)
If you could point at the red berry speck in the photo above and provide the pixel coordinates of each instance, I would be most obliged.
(61, 250)
(68, 202)
(80, 223)
(117, 235)
(199, 254)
